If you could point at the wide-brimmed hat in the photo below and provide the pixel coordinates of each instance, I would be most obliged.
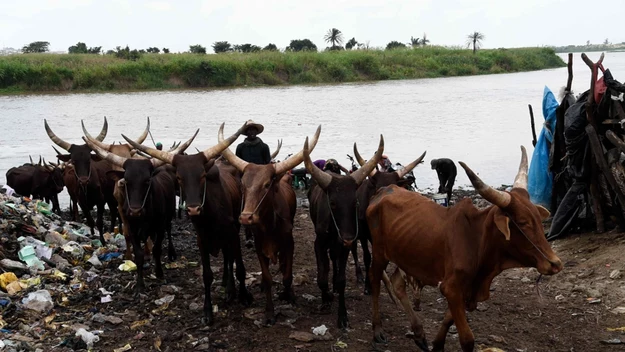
(251, 123)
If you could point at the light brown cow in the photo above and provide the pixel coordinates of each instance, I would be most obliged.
(459, 249)
(269, 210)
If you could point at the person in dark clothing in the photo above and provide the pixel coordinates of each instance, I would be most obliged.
(446, 170)
(253, 149)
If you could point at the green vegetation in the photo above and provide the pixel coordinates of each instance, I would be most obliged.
(80, 72)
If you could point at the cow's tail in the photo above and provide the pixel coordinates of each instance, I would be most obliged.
(389, 288)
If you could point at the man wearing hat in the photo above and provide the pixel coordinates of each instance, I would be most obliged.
(253, 149)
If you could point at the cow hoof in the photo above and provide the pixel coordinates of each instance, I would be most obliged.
(270, 321)
(287, 295)
(343, 323)
(208, 320)
(327, 297)
(422, 343)
(380, 338)
(172, 256)
(246, 298)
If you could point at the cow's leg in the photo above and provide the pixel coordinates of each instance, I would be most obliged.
(286, 264)
(439, 342)
(266, 282)
(74, 210)
(228, 275)
(157, 251)
(366, 257)
(245, 297)
(453, 292)
(377, 267)
(100, 221)
(323, 269)
(398, 280)
(335, 268)
(55, 204)
(207, 277)
(136, 241)
(354, 250)
(171, 251)
(343, 321)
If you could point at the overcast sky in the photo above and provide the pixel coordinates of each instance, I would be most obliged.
(177, 24)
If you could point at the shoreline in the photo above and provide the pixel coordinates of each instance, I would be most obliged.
(85, 73)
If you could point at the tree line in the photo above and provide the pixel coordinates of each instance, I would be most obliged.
(333, 36)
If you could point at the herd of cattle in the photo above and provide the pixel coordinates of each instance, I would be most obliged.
(458, 249)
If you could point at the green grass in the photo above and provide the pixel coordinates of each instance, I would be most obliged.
(83, 72)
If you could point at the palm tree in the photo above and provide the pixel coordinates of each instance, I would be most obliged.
(475, 39)
(334, 36)
(415, 42)
(425, 40)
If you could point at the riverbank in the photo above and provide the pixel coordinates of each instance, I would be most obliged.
(84, 72)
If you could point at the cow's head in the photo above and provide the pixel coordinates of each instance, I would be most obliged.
(260, 183)
(518, 223)
(382, 179)
(340, 191)
(191, 170)
(55, 180)
(80, 155)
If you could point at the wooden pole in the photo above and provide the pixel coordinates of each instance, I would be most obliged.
(616, 140)
(533, 126)
(569, 81)
(590, 116)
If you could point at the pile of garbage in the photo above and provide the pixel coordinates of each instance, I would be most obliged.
(46, 263)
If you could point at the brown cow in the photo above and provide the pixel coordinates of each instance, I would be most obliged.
(269, 210)
(213, 200)
(459, 249)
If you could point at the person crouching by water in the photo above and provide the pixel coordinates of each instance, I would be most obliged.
(253, 150)
(446, 170)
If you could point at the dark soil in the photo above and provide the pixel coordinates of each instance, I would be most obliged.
(516, 318)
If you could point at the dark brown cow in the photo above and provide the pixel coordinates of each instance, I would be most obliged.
(94, 187)
(366, 190)
(334, 211)
(71, 183)
(459, 249)
(213, 200)
(149, 204)
(269, 210)
(41, 181)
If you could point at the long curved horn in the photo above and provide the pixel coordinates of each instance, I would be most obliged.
(498, 198)
(31, 160)
(159, 154)
(234, 160)
(360, 174)
(110, 157)
(409, 167)
(359, 158)
(105, 129)
(275, 154)
(39, 163)
(57, 152)
(58, 141)
(101, 145)
(222, 144)
(520, 181)
(323, 179)
(144, 135)
(296, 159)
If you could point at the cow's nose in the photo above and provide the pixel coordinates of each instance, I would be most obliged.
(246, 218)
(134, 212)
(193, 210)
(348, 243)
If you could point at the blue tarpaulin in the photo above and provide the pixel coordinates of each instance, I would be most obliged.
(540, 180)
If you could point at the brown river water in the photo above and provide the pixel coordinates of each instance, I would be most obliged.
(480, 120)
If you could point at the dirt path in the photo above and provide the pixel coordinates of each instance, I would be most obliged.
(514, 319)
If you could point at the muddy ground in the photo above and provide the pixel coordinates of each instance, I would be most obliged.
(516, 318)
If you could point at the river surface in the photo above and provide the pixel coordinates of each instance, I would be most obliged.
(480, 120)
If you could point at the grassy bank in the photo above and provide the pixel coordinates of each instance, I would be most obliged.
(80, 72)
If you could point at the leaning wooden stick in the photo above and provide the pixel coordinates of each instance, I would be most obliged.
(569, 81)
(533, 126)
(593, 79)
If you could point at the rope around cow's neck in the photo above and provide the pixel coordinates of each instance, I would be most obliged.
(334, 220)
(144, 198)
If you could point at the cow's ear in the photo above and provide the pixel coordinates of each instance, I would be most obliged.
(503, 224)
(64, 157)
(95, 157)
(544, 213)
(115, 175)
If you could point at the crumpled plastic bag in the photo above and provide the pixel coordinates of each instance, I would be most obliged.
(88, 337)
(320, 330)
(128, 265)
(40, 301)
